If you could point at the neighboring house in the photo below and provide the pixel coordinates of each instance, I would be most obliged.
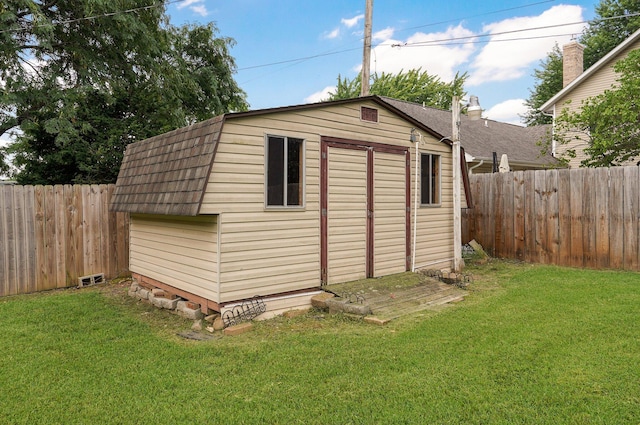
(579, 86)
(279, 202)
(482, 137)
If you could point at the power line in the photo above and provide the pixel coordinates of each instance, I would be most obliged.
(91, 18)
(336, 52)
(447, 41)
(437, 42)
(477, 16)
(469, 37)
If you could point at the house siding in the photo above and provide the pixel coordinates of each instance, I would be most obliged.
(179, 251)
(434, 241)
(266, 251)
(601, 80)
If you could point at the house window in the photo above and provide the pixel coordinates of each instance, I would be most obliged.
(284, 171)
(429, 179)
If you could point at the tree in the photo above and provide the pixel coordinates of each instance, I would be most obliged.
(548, 82)
(414, 86)
(609, 28)
(81, 79)
(609, 122)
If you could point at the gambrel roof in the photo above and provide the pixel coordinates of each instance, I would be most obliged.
(167, 174)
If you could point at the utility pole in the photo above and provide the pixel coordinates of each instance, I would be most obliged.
(457, 230)
(366, 54)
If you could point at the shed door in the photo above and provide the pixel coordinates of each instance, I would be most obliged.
(390, 208)
(364, 199)
(346, 215)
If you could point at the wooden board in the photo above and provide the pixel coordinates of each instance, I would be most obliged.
(564, 216)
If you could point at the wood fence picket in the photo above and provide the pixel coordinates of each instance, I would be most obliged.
(52, 235)
(579, 217)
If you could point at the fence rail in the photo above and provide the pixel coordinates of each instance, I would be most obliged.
(51, 235)
(572, 217)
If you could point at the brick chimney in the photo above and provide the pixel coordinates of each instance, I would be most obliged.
(572, 62)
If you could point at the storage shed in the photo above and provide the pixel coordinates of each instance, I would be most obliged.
(279, 202)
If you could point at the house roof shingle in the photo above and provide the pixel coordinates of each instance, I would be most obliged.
(167, 174)
(480, 138)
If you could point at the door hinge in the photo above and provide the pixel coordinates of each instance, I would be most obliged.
(324, 155)
(324, 212)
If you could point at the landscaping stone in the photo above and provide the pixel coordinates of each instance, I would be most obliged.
(197, 325)
(183, 309)
(157, 292)
(132, 292)
(320, 301)
(238, 329)
(164, 303)
(210, 318)
(143, 294)
(218, 324)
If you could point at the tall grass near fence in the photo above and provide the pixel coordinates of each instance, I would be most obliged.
(571, 217)
(51, 235)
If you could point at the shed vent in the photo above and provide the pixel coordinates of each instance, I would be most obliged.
(368, 114)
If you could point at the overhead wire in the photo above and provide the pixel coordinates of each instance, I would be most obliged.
(94, 17)
(447, 41)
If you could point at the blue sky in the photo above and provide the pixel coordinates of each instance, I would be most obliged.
(291, 51)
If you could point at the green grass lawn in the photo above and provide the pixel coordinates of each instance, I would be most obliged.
(529, 345)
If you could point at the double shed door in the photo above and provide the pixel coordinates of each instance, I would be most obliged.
(365, 196)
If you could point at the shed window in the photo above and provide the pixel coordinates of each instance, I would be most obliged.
(284, 171)
(429, 179)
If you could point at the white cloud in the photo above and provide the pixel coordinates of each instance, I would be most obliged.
(332, 34)
(384, 34)
(508, 111)
(321, 95)
(435, 59)
(502, 60)
(200, 10)
(351, 22)
(196, 6)
(187, 3)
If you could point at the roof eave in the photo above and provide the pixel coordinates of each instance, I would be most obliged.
(547, 106)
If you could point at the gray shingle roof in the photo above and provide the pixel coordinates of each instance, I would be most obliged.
(481, 138)
(167, 174)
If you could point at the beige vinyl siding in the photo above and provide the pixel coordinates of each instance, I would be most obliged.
(389, 194)
(347, 215)
(181, 252)
(265, 251)
(268, 253)
(603, 79)
(434, 241)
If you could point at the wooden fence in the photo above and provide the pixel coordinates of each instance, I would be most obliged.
(51, 235)
(578, 217)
